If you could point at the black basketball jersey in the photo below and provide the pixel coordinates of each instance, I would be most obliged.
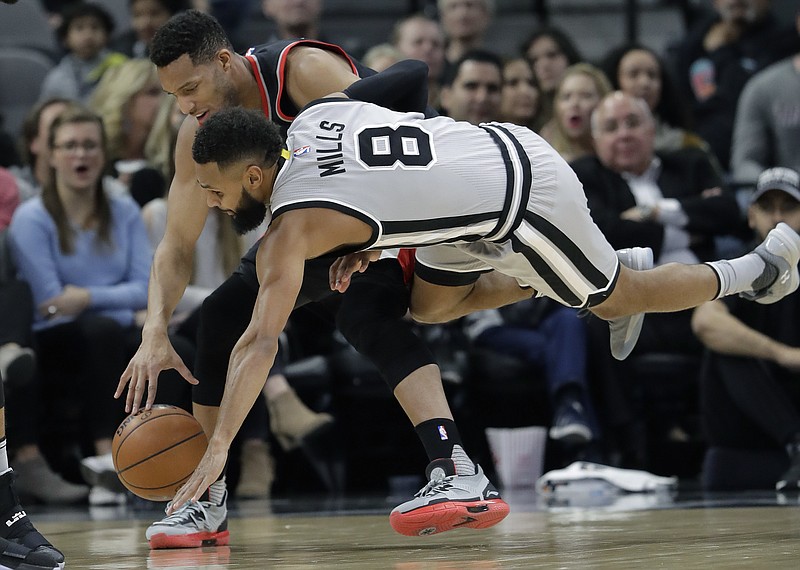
(269, 65)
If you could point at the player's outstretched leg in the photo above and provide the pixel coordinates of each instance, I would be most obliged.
(195, 524)
(625, 330)
(450, 501)
(18, 529)
(781, 250)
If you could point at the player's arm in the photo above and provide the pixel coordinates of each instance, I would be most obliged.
(721, 331)
(292, 238)
(402, 86)
(170, 274)
(313, 73)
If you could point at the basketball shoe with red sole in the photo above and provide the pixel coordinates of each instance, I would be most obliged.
(195, 524)
(450, 501)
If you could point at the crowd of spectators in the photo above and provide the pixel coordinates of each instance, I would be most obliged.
(677, 151)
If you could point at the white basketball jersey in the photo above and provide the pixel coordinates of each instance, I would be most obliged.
(416, 182)
(497, 194)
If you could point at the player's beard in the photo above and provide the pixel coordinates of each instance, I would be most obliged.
(230, 96)
(249, 213)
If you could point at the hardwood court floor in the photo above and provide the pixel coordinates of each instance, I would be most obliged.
(743, 531)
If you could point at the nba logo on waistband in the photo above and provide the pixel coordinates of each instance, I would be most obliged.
(442, 433)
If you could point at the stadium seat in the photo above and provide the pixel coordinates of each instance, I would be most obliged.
(25, 25)
(22, 71)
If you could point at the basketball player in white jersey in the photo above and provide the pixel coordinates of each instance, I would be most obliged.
(488, 201)
(197, 64)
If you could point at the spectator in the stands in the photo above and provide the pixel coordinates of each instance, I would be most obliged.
(294, 18)
(420, 37)
(381, 56)
(464, 23)
(717, 58)
(638, 70)
(767, 127)
(551, 52)
(751, 377)
(128, 99)
(86, 257)
(471, 87)
(84, 32)
(146, 17)
(672, 202)
(578, 93)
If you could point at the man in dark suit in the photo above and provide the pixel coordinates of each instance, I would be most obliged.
(673, 203)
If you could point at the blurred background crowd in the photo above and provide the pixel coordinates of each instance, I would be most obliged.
(705, 165)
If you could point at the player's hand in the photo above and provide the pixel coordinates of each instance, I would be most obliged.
(208, 471)
(343, 268)
(154, 355)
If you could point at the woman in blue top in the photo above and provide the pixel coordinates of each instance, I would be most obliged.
(87, 257)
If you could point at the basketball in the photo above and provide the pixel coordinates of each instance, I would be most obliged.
(156, 451)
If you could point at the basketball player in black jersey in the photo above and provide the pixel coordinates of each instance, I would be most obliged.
(197, 65)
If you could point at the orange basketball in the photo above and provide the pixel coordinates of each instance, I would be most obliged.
(157, 450)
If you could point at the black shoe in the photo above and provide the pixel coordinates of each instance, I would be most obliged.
(14, 556)
(18, 529)
(570, 424)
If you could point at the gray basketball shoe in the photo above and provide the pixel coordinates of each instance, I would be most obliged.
(781, 252)
(195, 524)
(449, 501)
(625, 330)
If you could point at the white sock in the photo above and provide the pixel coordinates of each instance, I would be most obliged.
(3, 457)
(216, 492)
(746, 273)
(464, 465)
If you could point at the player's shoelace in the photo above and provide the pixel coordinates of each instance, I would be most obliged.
(193, 511)
(435, 486)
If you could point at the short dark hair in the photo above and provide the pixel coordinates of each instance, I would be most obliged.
(171, 6)
(84, 10)
(672, 107)
(232, 135)
(479, 55)
(191, 32)
(562, 40)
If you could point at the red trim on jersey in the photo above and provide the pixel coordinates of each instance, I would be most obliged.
(282, 65)
(407, 258)
(261, 85)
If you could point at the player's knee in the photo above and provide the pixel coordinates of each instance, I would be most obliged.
(624, 300)
(430, 314)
